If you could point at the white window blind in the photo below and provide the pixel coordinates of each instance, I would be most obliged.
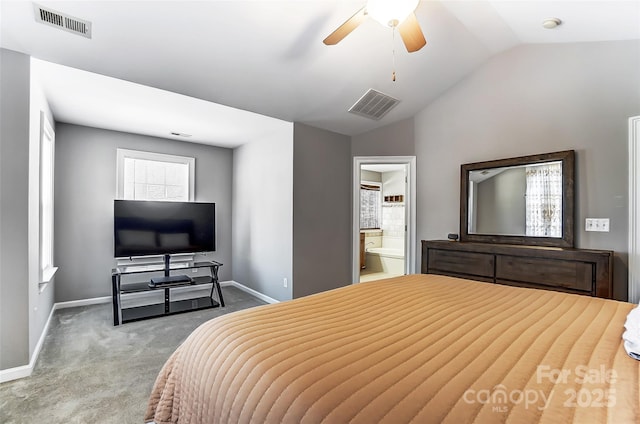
(154, 176)
(370, 205)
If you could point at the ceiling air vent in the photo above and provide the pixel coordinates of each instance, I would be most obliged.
(62, 21)
(373, 105)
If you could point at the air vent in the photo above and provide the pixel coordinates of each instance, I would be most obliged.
(373, 105)
(62, 21)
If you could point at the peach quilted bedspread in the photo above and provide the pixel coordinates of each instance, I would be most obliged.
(418, 348)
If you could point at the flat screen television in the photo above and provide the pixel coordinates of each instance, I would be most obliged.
(143, 228)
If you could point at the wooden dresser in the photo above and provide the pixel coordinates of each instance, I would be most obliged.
(580, 271)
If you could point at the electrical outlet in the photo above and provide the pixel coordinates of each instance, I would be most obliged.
(597, 224)
(285, 283)
(589, 224)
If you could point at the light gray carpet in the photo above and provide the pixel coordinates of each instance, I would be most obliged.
(92, 372)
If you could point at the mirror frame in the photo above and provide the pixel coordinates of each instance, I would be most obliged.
(567, 157)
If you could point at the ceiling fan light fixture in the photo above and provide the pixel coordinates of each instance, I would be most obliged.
(391, 12)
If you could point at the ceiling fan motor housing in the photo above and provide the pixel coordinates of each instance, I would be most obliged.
(391, 13)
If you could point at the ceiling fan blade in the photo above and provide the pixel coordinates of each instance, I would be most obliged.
(345, 29)
(412, 34)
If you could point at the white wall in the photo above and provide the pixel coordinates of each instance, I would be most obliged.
(371, 176)
(537, 99)
(393, 183)
(263, 213)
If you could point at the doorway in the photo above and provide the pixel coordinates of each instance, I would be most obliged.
(383, 217)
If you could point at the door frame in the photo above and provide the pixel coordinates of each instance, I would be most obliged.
(634, 209)
(410, 210)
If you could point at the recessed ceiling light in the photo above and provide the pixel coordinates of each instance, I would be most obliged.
(177, 134)
(551, 23)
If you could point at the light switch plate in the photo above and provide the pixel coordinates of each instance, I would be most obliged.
(597, 224)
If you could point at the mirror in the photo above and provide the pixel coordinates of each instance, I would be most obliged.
(526, 200)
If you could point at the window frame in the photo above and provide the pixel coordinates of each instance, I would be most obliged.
(122, 154)
(46, 210)
(379, 206)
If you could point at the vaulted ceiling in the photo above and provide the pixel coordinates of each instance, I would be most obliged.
(268, 57)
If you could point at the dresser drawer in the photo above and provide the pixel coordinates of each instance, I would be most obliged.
(579, 271)
(573, 275)
(466, 263)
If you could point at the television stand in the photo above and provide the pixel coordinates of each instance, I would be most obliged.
(166, 283)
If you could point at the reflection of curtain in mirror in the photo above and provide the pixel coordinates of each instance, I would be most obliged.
(544, 200)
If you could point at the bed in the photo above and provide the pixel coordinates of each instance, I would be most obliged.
(418, 348)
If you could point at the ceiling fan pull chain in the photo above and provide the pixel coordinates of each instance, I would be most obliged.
(393, 52)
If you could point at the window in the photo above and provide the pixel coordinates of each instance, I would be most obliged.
(154, 176)
(47, 148)
(370, 205)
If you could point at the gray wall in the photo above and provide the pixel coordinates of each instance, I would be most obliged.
(85, 187)
(14, 190)
(395, 139)
(263, 213)
(321, 210)
(24, 305)
(500, 203)
(537, 99)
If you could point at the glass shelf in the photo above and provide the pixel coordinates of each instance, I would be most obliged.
(168, 307)
(138, 269)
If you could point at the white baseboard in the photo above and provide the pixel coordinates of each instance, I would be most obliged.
(26, 370)
(82, 302)
(136, 296)
(249, 290)
(15, 373)
(22, 371)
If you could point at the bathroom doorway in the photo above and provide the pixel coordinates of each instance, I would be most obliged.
(384, 217)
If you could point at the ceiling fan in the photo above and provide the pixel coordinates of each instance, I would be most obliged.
(393, 13)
